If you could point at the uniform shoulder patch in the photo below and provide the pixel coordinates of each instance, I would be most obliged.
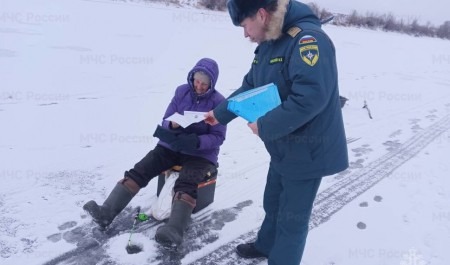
(309, 50)
(307, 39)
(294, 31)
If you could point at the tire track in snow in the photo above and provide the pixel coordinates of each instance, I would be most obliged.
(334, 198)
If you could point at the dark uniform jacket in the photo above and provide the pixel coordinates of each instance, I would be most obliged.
(305, 135)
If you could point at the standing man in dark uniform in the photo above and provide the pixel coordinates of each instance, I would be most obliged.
(305, 135)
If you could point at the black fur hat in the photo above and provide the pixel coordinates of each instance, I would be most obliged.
(241, 9)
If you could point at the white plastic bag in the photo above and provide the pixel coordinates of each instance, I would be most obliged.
(162, 206)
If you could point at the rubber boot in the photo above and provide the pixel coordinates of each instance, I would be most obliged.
(171, 233)
(117, 200)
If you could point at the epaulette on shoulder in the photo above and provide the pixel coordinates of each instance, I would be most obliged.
(294, 31)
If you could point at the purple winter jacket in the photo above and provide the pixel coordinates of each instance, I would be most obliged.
(185, 99)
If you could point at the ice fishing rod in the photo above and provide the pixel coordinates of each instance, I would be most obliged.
(139, 217)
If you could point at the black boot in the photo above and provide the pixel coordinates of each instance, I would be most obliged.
(249, 251)
(117, 200)
(171, 234)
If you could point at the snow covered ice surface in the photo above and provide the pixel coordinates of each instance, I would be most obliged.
(84, 84)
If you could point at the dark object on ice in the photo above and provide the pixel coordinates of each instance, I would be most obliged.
(133, 249)
(361, 225)
(367, 108)
(378, 198)
(343, 100)
(364, 204)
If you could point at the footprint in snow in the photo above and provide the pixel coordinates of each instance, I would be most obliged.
(364, 149)
(395, 134)
(361, 225)
(378, 198)
(414, 121)
(416, 128)
(431, 117)
(86, 98)
(392, 145)
(48, 104)
(58, 236)
(356, 164)
(67, 225)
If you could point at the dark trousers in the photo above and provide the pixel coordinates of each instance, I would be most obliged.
(288, 205)
(194, 169)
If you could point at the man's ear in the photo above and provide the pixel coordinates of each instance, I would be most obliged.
(262, 15)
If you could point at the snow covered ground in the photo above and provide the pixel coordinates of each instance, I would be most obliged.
(84, 84)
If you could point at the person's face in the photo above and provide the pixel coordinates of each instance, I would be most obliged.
(255, 27)
(200, 87)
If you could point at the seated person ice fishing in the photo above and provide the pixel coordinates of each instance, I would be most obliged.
(194, 148)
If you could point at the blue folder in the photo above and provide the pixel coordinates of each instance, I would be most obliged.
(255, 103)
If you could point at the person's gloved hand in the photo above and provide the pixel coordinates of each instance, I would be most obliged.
(165, 135)
(186, 142)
